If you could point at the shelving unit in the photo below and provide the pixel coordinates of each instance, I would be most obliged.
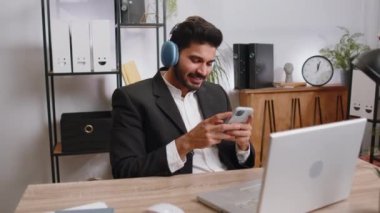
(364, 97)
(156, 25)
(54, 142)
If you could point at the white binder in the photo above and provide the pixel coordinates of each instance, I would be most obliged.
(101, 45)
(60, 45)
(363, 96)
(80, 43)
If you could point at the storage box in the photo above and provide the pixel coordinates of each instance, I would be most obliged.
(86, 131)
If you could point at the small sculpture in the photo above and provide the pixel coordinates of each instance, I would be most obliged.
(288, 68)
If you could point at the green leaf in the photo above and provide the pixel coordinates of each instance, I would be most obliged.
(220, 68)
(345, 50)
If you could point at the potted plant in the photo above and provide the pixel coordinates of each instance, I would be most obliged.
(171, 7)
(342, 54)
(221, 65)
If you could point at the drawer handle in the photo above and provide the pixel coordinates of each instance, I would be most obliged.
(88, 129)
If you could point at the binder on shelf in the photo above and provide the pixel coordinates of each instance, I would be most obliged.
(363, 96)
(80, 44)
(60, 45)
(101, 45)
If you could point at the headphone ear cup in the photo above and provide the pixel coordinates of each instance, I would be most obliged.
(169, 54)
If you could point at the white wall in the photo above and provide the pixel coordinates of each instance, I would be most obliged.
(298, 29)
(23, 139)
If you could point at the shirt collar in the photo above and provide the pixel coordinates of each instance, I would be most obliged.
(177, 93)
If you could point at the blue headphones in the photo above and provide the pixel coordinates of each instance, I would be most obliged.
(169, 51)
(169, 54)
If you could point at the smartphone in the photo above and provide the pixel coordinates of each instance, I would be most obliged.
(240, 115)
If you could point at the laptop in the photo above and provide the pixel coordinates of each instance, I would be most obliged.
(306, 169)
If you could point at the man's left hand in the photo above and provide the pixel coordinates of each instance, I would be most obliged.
(242, 134)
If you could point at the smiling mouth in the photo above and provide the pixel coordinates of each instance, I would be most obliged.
(196, 80)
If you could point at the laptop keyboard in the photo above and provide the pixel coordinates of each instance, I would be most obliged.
(252, 202)
(249, 204)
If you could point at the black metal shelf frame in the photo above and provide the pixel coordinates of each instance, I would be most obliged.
(50, 75)
(83, 73)
(374, 122)
(147, 25)
(50, 89)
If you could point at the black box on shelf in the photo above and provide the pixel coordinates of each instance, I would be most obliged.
(86, 131)
(132, 12)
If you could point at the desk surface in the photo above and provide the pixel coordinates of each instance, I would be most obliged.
(136, 194)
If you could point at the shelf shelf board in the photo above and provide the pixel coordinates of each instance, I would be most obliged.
(58, 151)
(143, 25)
(51, 73)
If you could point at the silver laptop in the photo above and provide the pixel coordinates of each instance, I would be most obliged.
(307, 168)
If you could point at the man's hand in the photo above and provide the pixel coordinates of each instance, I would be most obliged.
(212, 131)
(207, 133)
(242, 134)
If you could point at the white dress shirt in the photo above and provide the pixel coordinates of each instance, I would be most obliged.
(206, 159)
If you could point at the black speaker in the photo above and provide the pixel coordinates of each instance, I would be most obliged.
(260, 65)
(240, 65)
(132, 11)
(253, 65)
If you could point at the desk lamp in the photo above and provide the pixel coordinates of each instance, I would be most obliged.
(369, 63)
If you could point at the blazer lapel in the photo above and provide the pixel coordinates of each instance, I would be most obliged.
(205, 103)
(211, 102)
(165, 102)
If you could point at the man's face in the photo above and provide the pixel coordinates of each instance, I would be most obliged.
(194, 65)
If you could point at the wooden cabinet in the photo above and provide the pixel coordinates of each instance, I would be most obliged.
(279, 109)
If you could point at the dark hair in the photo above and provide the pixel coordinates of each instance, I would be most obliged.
(196, 29)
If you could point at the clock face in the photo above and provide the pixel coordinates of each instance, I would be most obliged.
(317, 70)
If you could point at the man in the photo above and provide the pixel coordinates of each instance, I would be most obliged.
(173, 123)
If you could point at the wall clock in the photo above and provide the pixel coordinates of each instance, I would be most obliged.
(317, 70)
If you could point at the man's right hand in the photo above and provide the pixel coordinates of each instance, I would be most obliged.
(209, 132)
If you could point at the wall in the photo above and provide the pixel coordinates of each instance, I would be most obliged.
(298, 29)
(24, 151)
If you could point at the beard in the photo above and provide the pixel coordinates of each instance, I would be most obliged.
(181, 75)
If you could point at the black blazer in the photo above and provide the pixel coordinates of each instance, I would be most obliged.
(146, 119)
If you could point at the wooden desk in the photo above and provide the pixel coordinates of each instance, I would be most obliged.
(135, 195)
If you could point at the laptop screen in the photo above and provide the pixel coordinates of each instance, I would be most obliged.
(311, 167)
(307, 168)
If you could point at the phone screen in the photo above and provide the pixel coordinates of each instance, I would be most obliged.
(240, 115)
